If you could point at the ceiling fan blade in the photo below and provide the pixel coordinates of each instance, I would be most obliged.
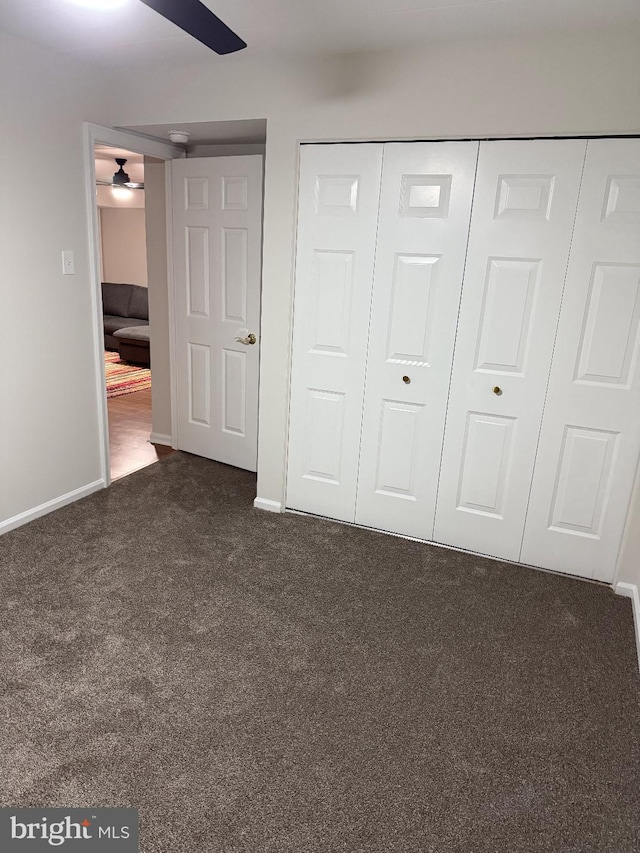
(129, 186)
(194, 18)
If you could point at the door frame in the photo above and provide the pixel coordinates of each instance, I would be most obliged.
(95, 134)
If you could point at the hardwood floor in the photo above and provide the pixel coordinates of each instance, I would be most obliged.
(129, 429)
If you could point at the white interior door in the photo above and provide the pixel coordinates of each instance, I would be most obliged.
(217, 233)
(523, 212)
(590, 436)
(337, 217)
(425, 206)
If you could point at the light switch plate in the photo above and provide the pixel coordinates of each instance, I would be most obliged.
(68, 263)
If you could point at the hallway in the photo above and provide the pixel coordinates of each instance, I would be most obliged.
(129, 430)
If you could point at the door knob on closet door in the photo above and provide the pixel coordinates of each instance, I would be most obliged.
(497, 390)
(248, 341)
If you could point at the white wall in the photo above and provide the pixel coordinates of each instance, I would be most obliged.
(220, 149)
(124, 245)
(49, 443)
(629, 562)
(583, 84)
(156, 229)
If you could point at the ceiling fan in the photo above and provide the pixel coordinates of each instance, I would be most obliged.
(198, 21)
(121, 179)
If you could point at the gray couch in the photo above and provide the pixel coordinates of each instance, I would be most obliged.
(124, 306)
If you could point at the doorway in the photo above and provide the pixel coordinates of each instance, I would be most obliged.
(228, 140)
(125, 283)
(124, 418)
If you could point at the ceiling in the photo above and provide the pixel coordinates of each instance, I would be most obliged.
(136, 35)
(241, 132)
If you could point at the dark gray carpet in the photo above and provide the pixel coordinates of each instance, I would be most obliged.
(256, 682)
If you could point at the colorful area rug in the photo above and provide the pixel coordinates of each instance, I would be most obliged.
(124, 378)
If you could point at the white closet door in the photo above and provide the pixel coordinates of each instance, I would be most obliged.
(523, 212)
(337, 219)
(590, 435)
(425, 208)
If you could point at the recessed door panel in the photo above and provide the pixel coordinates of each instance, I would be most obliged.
(235, 193)
(234, 385)
(505, 319)
(217, 218)
(622, 199)
(199, 384)
(425, 206)
(330, 305)
(582, 481)
(197, 271)
(401, 426)
(412, 304)
(590, 441)
(609, 341)
(336, 195)
(425, 195)
(523, 211)
(336, 241)
(196, 193)
(235, 248)
(524, 196)
(324, 434)
(486, 460)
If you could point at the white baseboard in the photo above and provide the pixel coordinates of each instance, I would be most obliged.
(160, 438)
(270, 506)
(630, 590)
(49, 506)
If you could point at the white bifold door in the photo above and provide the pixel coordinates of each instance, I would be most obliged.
(337, 217)
(466, 344)
(376, 306)
(217, 234)
(425, 206)
(590, 437)
(523, 211)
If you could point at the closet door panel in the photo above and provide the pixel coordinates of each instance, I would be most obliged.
(425, 207)
(590, 438)
(337, 220)
(523, 212)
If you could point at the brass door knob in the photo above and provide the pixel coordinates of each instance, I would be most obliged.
(497, 390)
(406, 380)
(248, 341)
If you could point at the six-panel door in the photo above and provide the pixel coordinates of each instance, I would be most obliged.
(590, 436)
(217, 228)
(425, 206)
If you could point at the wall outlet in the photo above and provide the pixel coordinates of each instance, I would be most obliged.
(68, 263)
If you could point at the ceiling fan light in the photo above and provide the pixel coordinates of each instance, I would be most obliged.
(121, 193)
